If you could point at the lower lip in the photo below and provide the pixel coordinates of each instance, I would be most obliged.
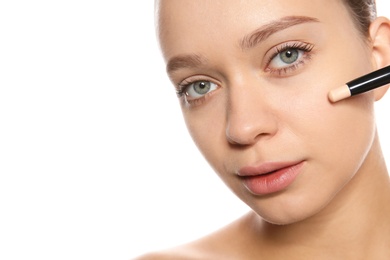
(272, 182)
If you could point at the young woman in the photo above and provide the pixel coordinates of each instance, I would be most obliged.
(253, 79)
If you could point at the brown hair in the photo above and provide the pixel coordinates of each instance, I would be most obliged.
(363, 12)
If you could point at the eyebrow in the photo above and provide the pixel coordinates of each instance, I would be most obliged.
(265, 31)
(247, 42)
(184, 61)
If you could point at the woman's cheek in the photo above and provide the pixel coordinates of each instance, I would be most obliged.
(206, 127)
(342, 134)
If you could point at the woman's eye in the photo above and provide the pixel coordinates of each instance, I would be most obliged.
(289, 57)
(198, 89)
(286, 58)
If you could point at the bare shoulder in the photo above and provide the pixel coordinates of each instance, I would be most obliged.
(163, 255)
(221, 244)
(178, 253)
(184, 252)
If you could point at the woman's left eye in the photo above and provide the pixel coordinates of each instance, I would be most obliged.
(289, 56)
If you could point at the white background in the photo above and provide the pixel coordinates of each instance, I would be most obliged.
(95, 161)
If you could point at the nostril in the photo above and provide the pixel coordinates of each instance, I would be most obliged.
(241, 135)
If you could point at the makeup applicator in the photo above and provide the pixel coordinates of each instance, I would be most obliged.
(362, 84)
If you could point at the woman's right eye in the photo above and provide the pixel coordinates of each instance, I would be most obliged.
(198, 89)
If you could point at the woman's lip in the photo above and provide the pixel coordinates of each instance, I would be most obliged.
(265, 168)
(268, 178)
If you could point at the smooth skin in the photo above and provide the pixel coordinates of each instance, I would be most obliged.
(260, 109)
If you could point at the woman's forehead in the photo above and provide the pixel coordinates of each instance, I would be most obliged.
(187, 23)
(234, 9)
(209, 17)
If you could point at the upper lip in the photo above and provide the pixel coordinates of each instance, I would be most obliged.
(265, 168)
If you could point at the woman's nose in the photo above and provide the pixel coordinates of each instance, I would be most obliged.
(250, 116)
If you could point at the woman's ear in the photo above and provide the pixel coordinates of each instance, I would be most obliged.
(380, 42)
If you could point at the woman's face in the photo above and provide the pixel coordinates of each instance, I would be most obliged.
(253, 78)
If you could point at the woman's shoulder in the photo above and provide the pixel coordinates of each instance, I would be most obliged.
(217, 245)
(189, 251)
(194, 250)
(163, 255)
(198, 249)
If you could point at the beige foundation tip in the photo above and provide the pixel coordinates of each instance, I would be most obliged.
(339, 93)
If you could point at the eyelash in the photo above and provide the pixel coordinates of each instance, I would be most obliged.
(180, 89)
(301, 46)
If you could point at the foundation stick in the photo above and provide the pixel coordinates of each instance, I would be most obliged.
(362, 84)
